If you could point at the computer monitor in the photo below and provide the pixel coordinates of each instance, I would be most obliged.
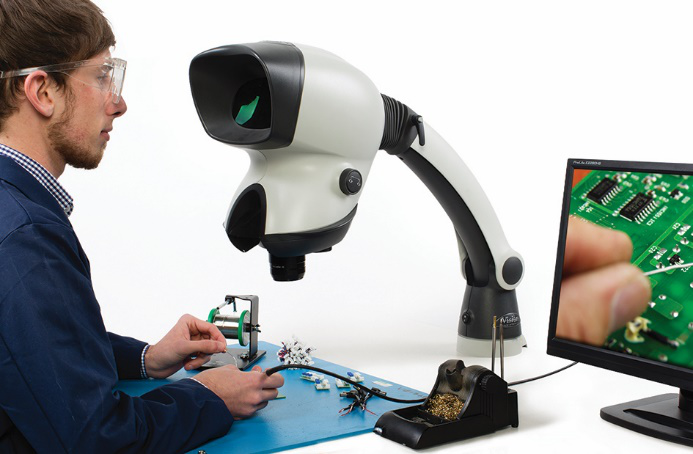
(653, 204)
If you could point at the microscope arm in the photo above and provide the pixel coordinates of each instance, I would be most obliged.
(490, 266)
(481, 238)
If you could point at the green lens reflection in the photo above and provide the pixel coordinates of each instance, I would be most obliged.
(251, 107)
(246, 111)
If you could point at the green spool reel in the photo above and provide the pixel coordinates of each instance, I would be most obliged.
(231, 327)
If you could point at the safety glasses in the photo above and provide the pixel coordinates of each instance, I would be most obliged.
(107, 75)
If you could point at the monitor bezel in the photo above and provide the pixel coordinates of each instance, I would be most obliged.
(669, 374)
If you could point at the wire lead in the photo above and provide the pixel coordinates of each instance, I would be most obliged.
(374, 391)
(667, 268)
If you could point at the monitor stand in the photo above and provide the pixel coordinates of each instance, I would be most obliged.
(668, 416)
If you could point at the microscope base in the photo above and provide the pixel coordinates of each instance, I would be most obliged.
(481, 348)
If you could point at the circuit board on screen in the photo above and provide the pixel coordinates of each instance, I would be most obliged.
(656, 211)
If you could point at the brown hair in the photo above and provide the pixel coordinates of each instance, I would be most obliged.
(45, 32)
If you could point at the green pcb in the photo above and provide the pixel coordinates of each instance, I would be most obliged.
(656, 211)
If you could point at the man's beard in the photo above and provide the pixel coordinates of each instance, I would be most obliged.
(74, 153)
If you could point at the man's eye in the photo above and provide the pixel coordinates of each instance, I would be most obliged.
(104, 79)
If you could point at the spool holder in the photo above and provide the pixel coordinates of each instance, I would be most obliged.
(244, 328)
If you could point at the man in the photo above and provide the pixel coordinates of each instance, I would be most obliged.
(60, 91)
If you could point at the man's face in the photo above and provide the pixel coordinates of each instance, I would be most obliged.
(84, 118)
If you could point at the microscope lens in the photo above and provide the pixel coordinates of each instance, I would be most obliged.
(246, 111)
(287, 268)
(252, 106)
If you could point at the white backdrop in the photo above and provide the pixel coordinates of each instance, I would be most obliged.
(516, 87)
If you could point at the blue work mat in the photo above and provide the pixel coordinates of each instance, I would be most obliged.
(307, 416)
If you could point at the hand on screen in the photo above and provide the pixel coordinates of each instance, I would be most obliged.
(600, 291)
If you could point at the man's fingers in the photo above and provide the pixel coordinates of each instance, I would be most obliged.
(208, 346)
(589, 246)
(204, 329)
(196, 362)
(596, 303)
(269, 394)
(274, 381)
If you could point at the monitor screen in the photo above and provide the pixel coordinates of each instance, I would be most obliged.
(623, 286)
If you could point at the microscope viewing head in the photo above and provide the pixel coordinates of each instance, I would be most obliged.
(311, 124)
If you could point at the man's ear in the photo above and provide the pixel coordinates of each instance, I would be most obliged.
(40, 90)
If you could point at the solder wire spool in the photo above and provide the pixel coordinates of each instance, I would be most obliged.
(232, 327)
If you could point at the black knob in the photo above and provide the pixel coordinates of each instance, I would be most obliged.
(350, 181)
(466, 318)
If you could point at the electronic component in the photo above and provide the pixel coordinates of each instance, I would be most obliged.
(639, 206)
(674, 259)
(662, 339)
(641, 325)
(355, 376)
(603, 191)
(360, 397)
(660, 253)
(322, 385)
(295, 352)
(676, 194)
(633, 330)
(341, 383)
(312, 376)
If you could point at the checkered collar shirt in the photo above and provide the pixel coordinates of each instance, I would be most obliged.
(42, 175)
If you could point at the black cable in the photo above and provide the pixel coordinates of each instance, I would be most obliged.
(374, 391)
(383, 394)
(542, 376)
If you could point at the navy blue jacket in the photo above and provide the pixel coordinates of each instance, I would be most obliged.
(58, 365)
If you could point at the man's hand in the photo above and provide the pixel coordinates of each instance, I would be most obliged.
(188, 344)
(244, 393)
(600, 291)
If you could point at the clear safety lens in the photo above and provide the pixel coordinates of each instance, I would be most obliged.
(107, 76)
(117, 77)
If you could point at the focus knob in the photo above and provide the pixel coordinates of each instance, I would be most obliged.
(350, 181)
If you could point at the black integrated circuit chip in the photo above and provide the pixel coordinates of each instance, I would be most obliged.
(603, 191)
(674, 259)
(676, 194)
(638, 206)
